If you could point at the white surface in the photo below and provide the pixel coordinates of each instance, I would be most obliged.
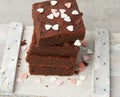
(9, 62)
(101, 71)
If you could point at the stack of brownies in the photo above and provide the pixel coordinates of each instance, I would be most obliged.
(58, 29)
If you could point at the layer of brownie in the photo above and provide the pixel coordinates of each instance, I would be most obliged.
(67, 49)
(51, 61)
(60, 5)
(51, 70)
(52, 37)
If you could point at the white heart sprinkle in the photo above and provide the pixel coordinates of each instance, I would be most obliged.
(63, 15)
(77, 43)
(53, 2)
(53, 10)
(67, 19)
(62, 10)
(48, 26)
(59, 82)
(70, 28)
(55, 27)
(41, 10)
(50, 16)
(75, 12)
(78, 82)
(53, 79)
(89, 51)
(82, 77)
(23, 48)
(56, 14)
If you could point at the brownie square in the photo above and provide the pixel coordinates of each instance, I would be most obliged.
(51, 61)
(68, 49)
(51, 70)
(62, 30)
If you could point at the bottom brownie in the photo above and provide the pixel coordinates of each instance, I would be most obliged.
(51, 70)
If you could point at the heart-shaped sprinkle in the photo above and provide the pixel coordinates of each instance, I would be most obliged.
(53, 78)
(41, 10)
(77, 43)
(78, 82)
(89, 51)
(84, 43)
(24, 75)
(73, 80)
(62, 11)
(86, 58)
(63, 15)
(70, 28)
(82, 77)
(56, 14)
(75, 12)
(50, 16)
(59, 82)
(23, 48)
(68, 5)
(55, 27)
(67, 19)
(53, 2)
(48, 26)
(81, 64)
(53, 10)
(81, 69)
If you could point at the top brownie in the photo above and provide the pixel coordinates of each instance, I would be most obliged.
(57, 22)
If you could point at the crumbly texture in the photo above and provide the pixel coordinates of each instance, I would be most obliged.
(51, 61)
(62, 35)
(51, 70)
(67, 49)
(57, 26)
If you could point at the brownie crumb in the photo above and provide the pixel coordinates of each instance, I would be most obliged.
(19, 62)
(23, 43)
(46, 86)
(76, 72)
(19, 58)
(86, 64)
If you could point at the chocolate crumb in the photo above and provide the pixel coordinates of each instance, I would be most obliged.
(46, 86)
(86, 64)
(18, 65)
(23, 43)
(76, 72)
(19, 58)
(19, 62)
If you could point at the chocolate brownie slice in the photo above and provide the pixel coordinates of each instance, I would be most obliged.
(51, 61)
(51, 70)
(68, 49)
(59, 23)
